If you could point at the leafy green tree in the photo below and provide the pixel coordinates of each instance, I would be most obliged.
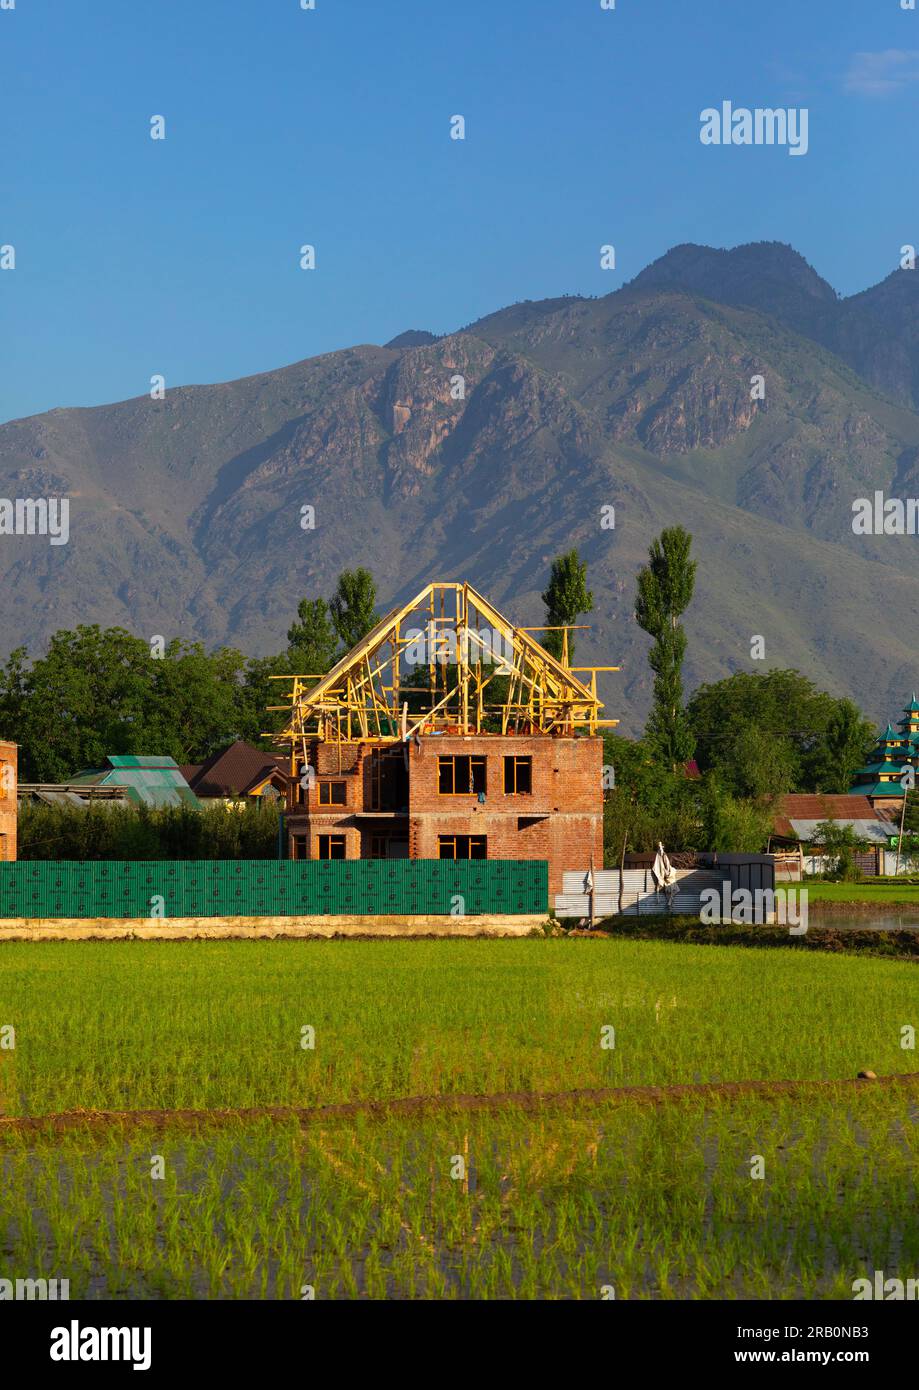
(14, 698)
(647, 803)
(665, 589)
(89, 696)
(353, 606)
(101, 691)
(848, 742)
(195, 703)
(259, 692)
(312, 640)
(753, 764)
(815, 738)
(733, 825)
(566, 598)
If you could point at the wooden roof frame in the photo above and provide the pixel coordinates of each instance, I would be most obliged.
(361, 696)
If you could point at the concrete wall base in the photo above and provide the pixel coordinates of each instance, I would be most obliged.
(256, 928)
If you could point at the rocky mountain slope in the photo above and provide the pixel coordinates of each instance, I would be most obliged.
(186, 513)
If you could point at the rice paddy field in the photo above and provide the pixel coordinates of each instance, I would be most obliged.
(635, 1196)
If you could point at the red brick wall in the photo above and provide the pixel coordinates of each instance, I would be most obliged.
(565, 804)
(308, 817)
(8, 776)
(567, 791)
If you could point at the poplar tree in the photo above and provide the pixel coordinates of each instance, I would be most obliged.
(665, 589)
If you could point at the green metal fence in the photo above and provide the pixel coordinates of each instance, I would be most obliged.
(272, 888)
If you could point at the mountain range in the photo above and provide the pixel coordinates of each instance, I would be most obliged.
(483, 453)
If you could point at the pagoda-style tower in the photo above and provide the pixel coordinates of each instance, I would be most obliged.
(879, 779)
(909, 724)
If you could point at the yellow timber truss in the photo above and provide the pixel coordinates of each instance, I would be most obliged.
(445, 662)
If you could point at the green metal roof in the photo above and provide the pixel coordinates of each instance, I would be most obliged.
(878, 789)
(148, 781)
(130, 760)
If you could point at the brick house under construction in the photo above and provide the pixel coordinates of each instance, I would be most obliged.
(447, 733)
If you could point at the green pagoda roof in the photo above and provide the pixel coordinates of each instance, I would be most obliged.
(886, 766)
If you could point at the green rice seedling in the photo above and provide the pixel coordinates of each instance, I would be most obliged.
(633, 1199)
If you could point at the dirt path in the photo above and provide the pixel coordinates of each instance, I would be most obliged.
(421, 1105)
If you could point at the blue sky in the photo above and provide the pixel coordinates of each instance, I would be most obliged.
(331, 127)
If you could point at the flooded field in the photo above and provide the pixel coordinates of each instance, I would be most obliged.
(658, 1193)
(866, 921)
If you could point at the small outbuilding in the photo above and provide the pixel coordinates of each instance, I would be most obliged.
(795, 843)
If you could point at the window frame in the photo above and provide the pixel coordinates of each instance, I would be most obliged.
(338, 839)
(478, 762)
(443, 840)
(327, 783)
(512, 765)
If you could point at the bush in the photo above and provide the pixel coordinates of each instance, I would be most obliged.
(839, 843)
(106, 831)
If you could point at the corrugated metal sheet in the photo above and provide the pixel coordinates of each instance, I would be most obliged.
(639, 894)
(152, 786)
(153, 781)
(639, 880)
(272, 888)
(877, 831)
(160, 760)
(633, 905)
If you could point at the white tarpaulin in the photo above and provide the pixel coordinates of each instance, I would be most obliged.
(661, 869)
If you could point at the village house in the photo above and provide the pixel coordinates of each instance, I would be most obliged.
(235, 774)
(795, 839)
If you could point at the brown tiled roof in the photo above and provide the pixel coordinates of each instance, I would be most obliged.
(819, 806)
(234, 770)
